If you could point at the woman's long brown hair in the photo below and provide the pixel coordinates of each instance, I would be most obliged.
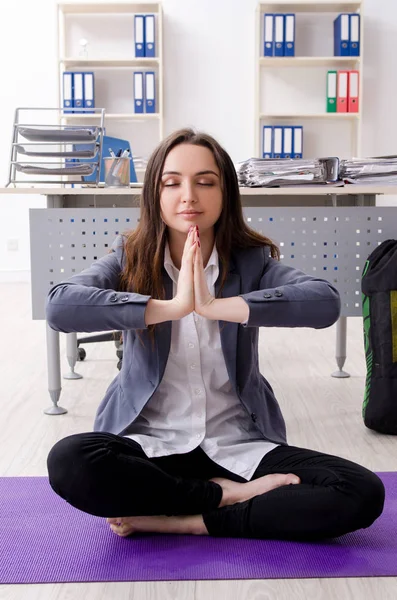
(145, 245)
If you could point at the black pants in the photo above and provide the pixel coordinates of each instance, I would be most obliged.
(110, 476)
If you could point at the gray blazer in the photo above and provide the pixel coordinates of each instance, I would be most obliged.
(277, 295)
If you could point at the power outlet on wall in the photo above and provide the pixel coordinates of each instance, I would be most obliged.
(12, 245)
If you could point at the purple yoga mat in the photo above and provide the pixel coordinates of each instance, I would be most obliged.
(45, 540)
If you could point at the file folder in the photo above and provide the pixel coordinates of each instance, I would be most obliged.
(354, 35)
(277, 141)
(287, 142)
(297, 145)
(341, 99)
(150, 92)
(353, 92)
(78, 90)
(68, 91)
(150, 46)
(139, 33)
(278, 35)
(89, 101)
(267, 142)
(331, 91)
(268, 35)
(342, 35)
(138, 91)
(289, 35)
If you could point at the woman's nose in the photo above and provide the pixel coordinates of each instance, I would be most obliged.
(188, 191)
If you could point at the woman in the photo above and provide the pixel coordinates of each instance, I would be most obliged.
(189, 437)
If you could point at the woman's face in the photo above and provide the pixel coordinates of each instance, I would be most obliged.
(190, 182)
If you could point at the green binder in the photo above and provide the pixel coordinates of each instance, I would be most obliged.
(331, 91)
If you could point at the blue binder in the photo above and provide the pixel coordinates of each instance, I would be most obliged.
(67, 91)
(278, 134)
(108, 142)
(89, 94)
(139, 34)
(267, 141)
(342, 35)
(287, 142)
(78, 90)
(138, 92)
(355, 35)
(278, 35)
(150, 43)
(268, 28)
(297, 144)
(289, 35)
(150, 92)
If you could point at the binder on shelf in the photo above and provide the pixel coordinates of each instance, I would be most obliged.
(278, 35)
(138, 91)
(354, 35)
(68, 91)
(139, 34)
(89, 96)
(78, 90)
(297, 145)
(150, 46)
(353, 92)
(289, 35)
(150, 92)
(331, 91)
(268, 35)
(342, 35)
(277, 141)
(341, 99)
(287, 142)
(267, 142)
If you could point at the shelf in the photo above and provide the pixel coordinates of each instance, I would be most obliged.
(309, 61)
(109, 62)
(313, 6)
(342, 116)
(108, 7)
(114, 116)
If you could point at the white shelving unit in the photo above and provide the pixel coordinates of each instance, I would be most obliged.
(292, 90)
(109, 29)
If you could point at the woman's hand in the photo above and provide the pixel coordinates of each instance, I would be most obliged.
(202, 297)
(184, 298)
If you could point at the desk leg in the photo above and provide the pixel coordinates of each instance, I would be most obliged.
(341, 334)
(54, 372)
(71, 353)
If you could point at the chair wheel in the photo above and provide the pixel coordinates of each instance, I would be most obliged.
(81, 354)
(119, 353)
(119, 364)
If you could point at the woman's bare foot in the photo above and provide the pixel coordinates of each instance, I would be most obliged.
(182, 524)
(239, 492)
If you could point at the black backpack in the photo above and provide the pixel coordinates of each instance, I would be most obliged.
(379, 303)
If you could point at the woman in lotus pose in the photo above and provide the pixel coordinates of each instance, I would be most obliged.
(189, 437)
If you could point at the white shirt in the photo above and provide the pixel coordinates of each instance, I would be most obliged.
(195, 403)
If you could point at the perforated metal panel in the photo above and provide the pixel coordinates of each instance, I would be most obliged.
(327, 242)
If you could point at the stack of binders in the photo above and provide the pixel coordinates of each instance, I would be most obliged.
(144, 30)
(78, 92)
(282, 141)
(144, 92)
(343, 91)
(347, 35)
(279, 35)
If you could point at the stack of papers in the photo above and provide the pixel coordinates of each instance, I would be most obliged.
(381, 170)
(273, 172)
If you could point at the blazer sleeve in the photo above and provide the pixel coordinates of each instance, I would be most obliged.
(288, 297)
(90, 301)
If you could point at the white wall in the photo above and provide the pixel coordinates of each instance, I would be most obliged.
(209, 59)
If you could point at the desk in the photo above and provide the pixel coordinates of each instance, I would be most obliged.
(325, 231)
